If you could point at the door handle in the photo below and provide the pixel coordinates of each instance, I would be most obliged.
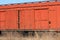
(49, 22)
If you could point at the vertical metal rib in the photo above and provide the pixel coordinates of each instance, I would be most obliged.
(18, 19)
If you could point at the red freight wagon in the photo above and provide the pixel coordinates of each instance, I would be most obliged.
(30, 16)
(40, 16)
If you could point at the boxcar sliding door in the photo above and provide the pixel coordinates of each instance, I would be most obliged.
(26, 19)
(41, 19)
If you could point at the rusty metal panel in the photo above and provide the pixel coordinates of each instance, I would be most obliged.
(12, 19)
(41, 19)
(44, 14)
(3, 20)
(53, 18)
(44, 25)
(26, 19)
(41, 14)
(58, 18)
